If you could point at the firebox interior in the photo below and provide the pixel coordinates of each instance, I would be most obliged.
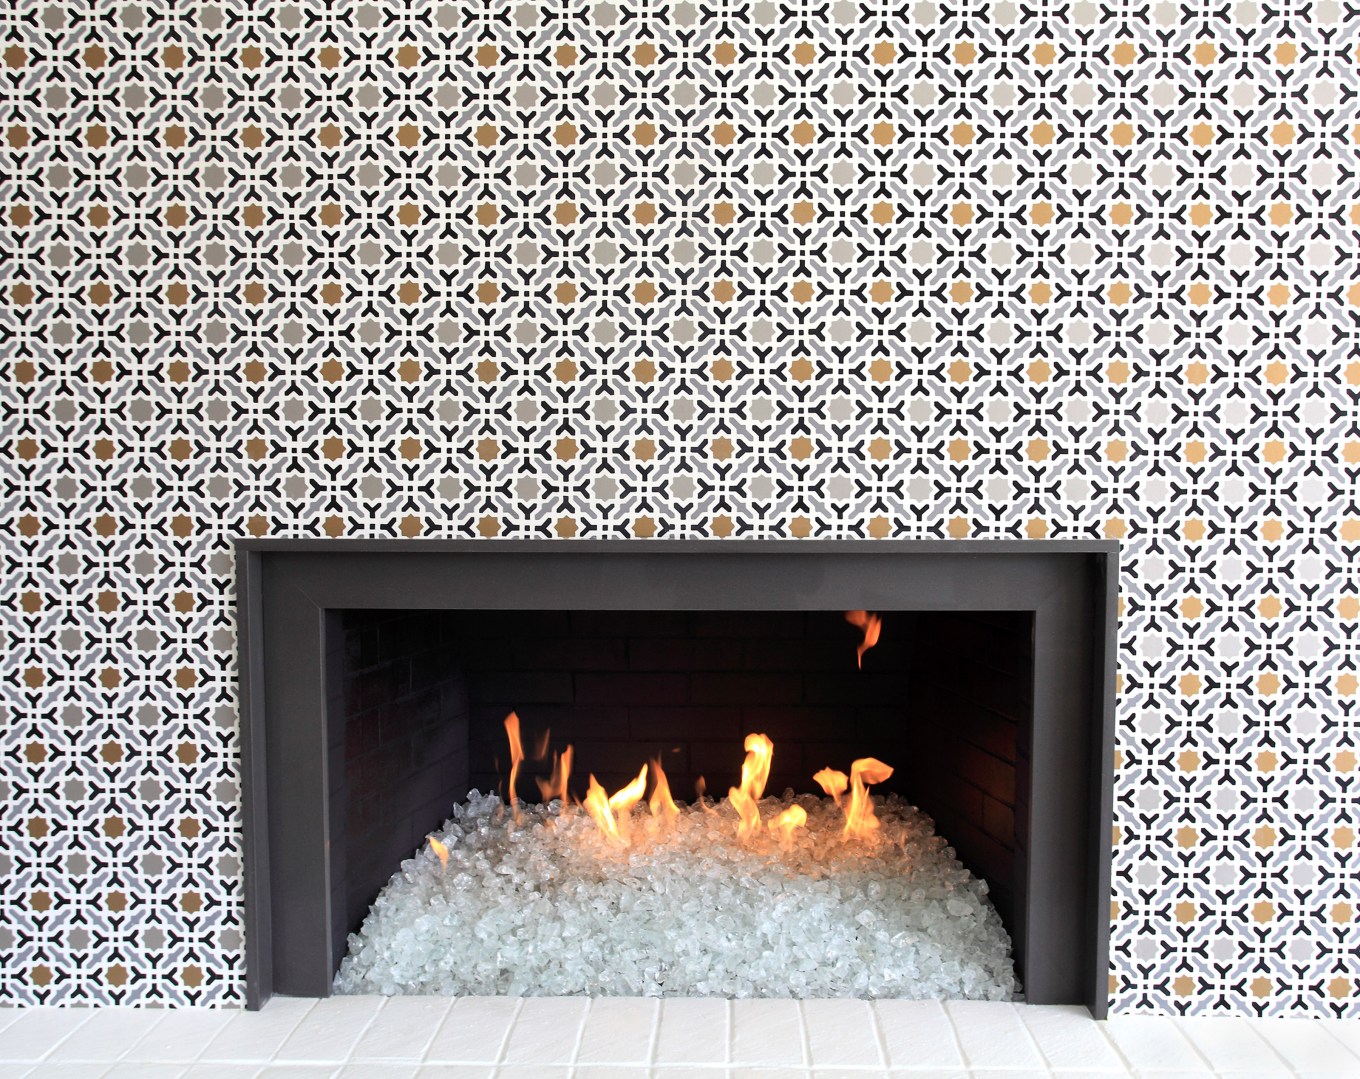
(944, 697)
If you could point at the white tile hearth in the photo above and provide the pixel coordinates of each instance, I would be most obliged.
(569, 1038)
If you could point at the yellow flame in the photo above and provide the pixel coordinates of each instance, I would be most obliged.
(623, 799)
(556, 785)
(833, 782)
(793, 817)
(860, 820)
(440, 850)
(597, 805)
(661, 803)
(516, 756)
(755, 771)
(871, 624)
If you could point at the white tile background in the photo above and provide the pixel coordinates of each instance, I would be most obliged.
(569, 1038)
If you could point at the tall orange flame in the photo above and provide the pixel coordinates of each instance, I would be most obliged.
(755, 771)
(516, 757)
(833, 782)
(871, 624)
(441, 850)
(556, 785)
(661, 803)
(860, 820)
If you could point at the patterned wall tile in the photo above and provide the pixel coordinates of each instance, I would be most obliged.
(668, 269)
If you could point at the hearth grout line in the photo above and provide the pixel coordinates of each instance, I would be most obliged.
(880, 1039)
(581, 1032)
(804, 1037)
(509, 1030)
(654, 1040)
(954, 1033)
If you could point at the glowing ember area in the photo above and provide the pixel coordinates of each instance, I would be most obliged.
(551, 906)
(872, 625)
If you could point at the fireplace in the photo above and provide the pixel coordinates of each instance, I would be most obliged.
(377, 674)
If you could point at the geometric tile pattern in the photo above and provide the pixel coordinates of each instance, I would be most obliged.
(852, 270)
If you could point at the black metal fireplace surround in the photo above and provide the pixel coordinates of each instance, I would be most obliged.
(321, 622)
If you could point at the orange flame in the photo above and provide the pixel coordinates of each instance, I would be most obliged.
(623, 799)
(699, 788)
(541, 747)
(871, 624)
(440, 850)
(597, 805)
(793, 817)
(833, 782)
(661, 803)
(516, 757)
(611, 813)
(556, 786)
(859, 814)
(755, 771)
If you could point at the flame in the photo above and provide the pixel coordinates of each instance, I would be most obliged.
(871, 624)
(623, 799)
(755, 770)
(611, 812)
(833, 782)
(516, 756)
(556, 787)
(597, 805)
(440, 850)
(859, 814)
(699, 788)
(661, 803)
(793, 817)
(541, 747)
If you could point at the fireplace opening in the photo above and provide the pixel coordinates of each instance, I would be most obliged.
(943, 697)
(376, 677)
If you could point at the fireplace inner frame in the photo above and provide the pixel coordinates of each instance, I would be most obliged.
(289, 590)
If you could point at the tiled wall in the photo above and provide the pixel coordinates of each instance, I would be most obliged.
(649, 269)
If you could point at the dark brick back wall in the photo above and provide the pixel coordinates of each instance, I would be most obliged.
(685, 686)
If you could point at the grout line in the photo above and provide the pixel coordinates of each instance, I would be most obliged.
(372, 1019)
(1344, 1045)
(509, 1029)
(65, 1036)
(880, 1039)
(1114, 1047)
(954, 1033)
(729, 1034)
(655, 1039)
(580, 1034)
(1208, 1064)
(803, 1036)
